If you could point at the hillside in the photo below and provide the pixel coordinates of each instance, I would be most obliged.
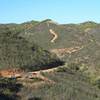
(17, 52)
(78, 43)
(68, 35)
(67, 85)
(35, 46)
(73, 43)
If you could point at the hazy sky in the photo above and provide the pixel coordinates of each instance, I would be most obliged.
(62, 11)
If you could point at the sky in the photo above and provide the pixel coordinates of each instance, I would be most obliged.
(62, 11)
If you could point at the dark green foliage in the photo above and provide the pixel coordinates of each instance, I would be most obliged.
(35, 98)
(88, 24)
(74, 66)
(97, 83)
(9, 89)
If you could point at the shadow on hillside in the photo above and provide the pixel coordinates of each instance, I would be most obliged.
(9, 89)
(53, 64)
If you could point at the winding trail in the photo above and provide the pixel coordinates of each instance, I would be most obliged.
(54, 34)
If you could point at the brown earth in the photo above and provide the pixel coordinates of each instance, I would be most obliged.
(54, 34)
(62, 51)
(10, 73)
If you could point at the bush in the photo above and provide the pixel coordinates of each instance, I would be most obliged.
(9, 89)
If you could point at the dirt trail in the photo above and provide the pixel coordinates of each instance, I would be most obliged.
(54, 34)
(27, 77)
(63, 51)
(11, 73)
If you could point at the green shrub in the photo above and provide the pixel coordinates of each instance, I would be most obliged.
(9, 89)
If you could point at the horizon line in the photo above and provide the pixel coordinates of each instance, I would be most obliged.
(77, 22)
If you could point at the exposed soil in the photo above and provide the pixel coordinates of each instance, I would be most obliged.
(54, 34)
(62, 51)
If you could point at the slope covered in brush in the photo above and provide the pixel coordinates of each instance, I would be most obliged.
(16, 52)
(68, 85)
(85, 36)
(68, 35)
